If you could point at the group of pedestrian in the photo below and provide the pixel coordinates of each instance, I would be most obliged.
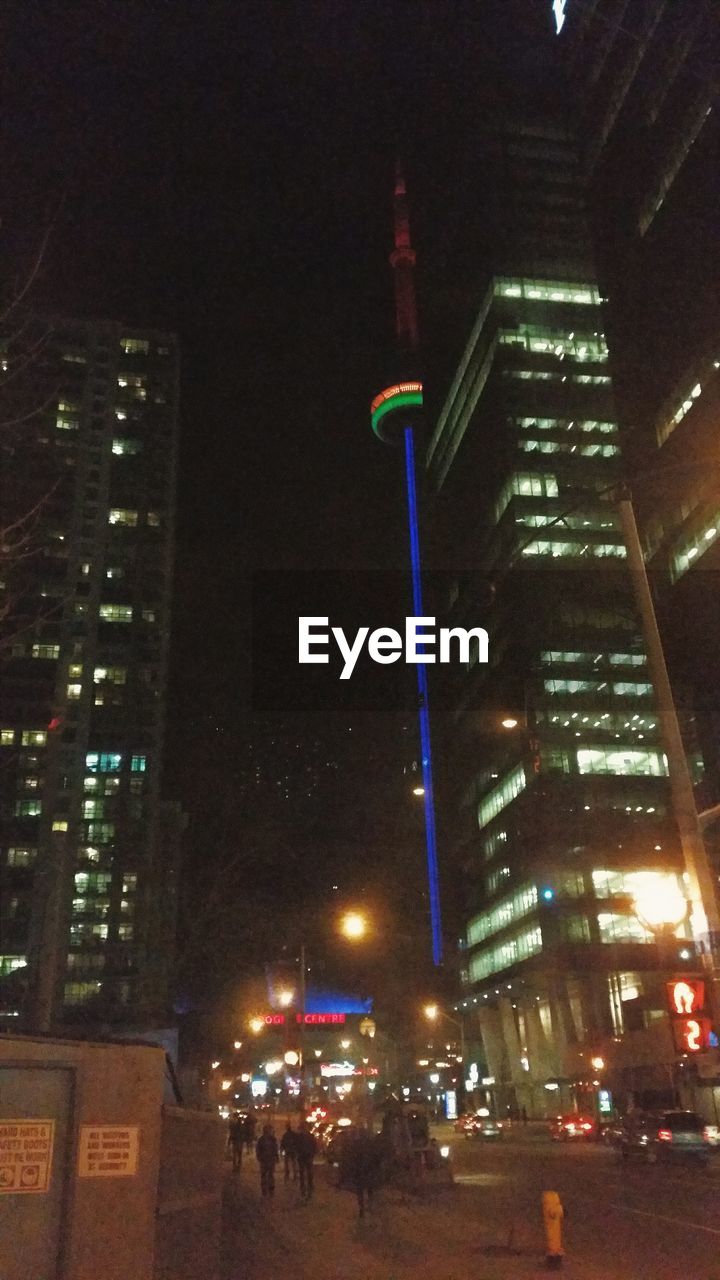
(298, 1147)
(241, 1136)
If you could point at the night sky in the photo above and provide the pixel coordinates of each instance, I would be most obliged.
(224, 170)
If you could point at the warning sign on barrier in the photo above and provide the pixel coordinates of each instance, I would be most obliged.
(108, 1150)
(26, 1148)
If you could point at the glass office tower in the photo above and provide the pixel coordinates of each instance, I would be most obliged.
(559, 793)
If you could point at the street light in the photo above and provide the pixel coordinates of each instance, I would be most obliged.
(660, 904)
(353, 925)
(237, 1044)
(509, 722)
(285, 998)
(418, 791)
(256, 1025)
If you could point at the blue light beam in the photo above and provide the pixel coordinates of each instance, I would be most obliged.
(423, 707)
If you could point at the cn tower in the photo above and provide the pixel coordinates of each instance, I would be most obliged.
(396, 415)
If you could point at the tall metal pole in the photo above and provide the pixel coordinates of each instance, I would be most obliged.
(301, 1038)
(705, 917)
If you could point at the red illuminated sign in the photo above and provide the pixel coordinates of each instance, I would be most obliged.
(691, 1035)
(686, 996)
(311, 1019)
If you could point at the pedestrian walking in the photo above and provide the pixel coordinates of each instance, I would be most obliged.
(266, 1151)
(236, 1140)
(305, 1147)
(288, 1146)
(363, 1166)
(249, 1130)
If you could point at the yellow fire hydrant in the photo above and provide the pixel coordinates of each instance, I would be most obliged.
(552, 1211)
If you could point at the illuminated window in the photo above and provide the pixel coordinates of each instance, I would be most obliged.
(7, 737)
(81, 992)
(34, 737)
(60, 824)
(512, 908)
(562, 446)
(547, 290)
(101, 832)
(74, 691)
(557, 549)
(103, 761)
(93, 808)
(622, 761)
(135, 346)
(134, 385)
(585, 425)
(17, 857)
(687, 400)
(116, 612)
(703, 537)
(153, 518)
(90, 883)
(527, 484)
(129, 882)
(46, 651)
(137, 764)
(583, 347)
(521, 946)
(120, 515)
(125, 932)
(621, 928)
(619, 688)
(148, 615)
(123, 448)
(114, 675)
(74, 357)
(502, 795)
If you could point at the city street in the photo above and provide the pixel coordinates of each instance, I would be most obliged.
(623, 1223)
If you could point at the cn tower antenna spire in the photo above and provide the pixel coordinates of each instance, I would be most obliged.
(402, 261)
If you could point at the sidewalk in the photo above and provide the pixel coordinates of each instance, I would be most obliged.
(440, 1237)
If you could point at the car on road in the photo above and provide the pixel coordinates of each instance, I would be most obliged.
(664, 1135)
(487, 1128)
(479, 1126)
(574, 1128)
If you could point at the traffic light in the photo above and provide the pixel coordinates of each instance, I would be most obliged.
(686, 1002)
(686, 996)
(691, 1035)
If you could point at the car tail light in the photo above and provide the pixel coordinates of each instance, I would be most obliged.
(664, 1135)
(586, 1126)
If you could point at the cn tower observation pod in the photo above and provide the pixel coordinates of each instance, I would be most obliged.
(387, 420)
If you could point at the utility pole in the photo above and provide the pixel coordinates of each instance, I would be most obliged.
(705, 918)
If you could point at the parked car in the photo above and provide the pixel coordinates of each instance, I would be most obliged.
(664, 1135)
(574, 1128)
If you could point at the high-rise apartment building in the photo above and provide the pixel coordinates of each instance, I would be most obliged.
(641, 94)
(84, 846)
(557, 772)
